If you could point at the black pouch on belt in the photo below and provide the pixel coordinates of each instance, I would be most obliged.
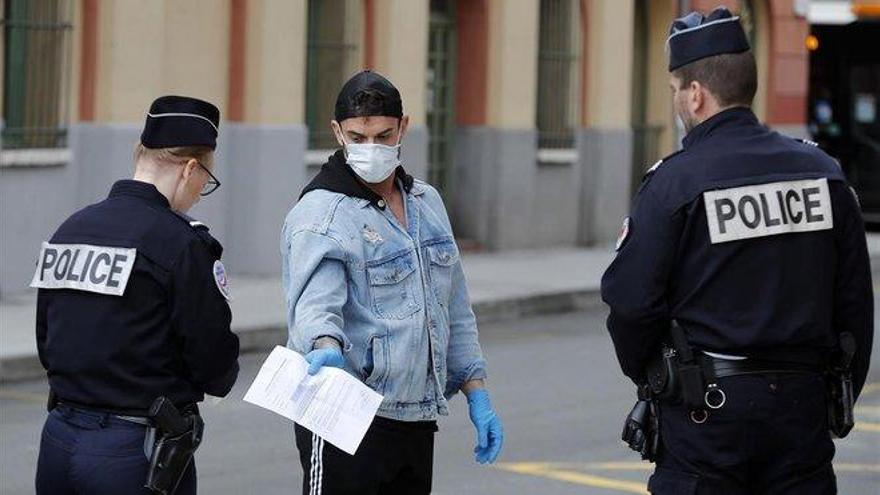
(178, 438)
(841, 400)
(690, 373)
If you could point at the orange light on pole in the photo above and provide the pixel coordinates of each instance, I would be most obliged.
(812, 43)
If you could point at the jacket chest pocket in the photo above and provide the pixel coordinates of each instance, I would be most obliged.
(443, 258)
(393, 287)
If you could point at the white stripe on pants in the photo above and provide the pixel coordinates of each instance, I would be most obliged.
(316, 474)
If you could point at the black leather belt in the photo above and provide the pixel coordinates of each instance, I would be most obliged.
(126, 414)
(724, 367)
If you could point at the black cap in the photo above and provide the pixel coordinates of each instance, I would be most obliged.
(181, 121)
(694, 37)
(368, 94)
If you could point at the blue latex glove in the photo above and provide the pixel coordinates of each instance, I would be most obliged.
(490, 433)
(327, 356)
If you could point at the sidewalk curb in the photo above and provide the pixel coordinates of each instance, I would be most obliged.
(264, 338)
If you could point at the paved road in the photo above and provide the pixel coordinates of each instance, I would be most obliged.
(553, 378)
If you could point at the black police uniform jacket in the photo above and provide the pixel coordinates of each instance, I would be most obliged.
(752, 241)
(166, 333)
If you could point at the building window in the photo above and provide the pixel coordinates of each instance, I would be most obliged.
(749, 22)
(441, 87)
(559, 85)
(36, 81)
(334, 55)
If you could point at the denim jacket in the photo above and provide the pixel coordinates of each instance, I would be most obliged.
(395, 298)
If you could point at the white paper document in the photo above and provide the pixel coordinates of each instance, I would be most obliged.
(333, 404)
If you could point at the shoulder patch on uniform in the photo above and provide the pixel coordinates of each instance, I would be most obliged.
(222, 280)
(768, 209)
(624, 233)
(99, 269)
(807, 141)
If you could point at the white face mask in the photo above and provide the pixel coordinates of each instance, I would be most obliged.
(372, 162)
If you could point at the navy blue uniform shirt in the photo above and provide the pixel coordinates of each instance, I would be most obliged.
(138, 307)
(752, 241)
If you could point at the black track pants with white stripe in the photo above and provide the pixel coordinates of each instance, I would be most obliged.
(395, 458)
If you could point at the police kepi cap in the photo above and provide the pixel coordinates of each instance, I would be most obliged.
(694, 37)
(181, 121)
(368, 94)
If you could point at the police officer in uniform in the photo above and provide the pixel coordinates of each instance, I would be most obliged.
(132, 306)
(752, 244)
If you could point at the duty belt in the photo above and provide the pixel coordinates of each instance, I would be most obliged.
(141, 417)
(723, 368)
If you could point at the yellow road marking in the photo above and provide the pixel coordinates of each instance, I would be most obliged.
(644, 466)
(867, 426)
(569, 472)
(23, 396)
(547, 470)
(620, 466)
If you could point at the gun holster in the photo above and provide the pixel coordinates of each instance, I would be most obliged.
(51, 401)
(178, 437)
(676, 374)
(641, 430)
(841, 400)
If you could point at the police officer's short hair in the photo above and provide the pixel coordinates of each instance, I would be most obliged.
(731, 77)
(202, 154)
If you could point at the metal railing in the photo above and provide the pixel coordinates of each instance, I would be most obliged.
(559, 58)
(36, 83)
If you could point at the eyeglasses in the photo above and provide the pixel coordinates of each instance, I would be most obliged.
(212, 183)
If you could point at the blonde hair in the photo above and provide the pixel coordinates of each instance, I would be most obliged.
(174, 155)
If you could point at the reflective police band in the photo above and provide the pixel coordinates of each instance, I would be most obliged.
(183, 114)
(100, 269)
(181, 121)
(768, 209)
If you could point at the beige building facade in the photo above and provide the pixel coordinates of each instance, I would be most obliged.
(534, 118)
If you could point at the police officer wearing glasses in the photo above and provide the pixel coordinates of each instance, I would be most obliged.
(133, 320)
(741, 297)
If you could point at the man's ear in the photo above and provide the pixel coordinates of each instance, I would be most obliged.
(337, 132)
(698, 98)
(404, 125)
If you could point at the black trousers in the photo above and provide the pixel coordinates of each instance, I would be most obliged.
(395, 457)
(771, 437)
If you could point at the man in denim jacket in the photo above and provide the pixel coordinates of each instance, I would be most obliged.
(374, 285)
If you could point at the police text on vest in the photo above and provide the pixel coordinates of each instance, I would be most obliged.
(100, 269)
(768, 209)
